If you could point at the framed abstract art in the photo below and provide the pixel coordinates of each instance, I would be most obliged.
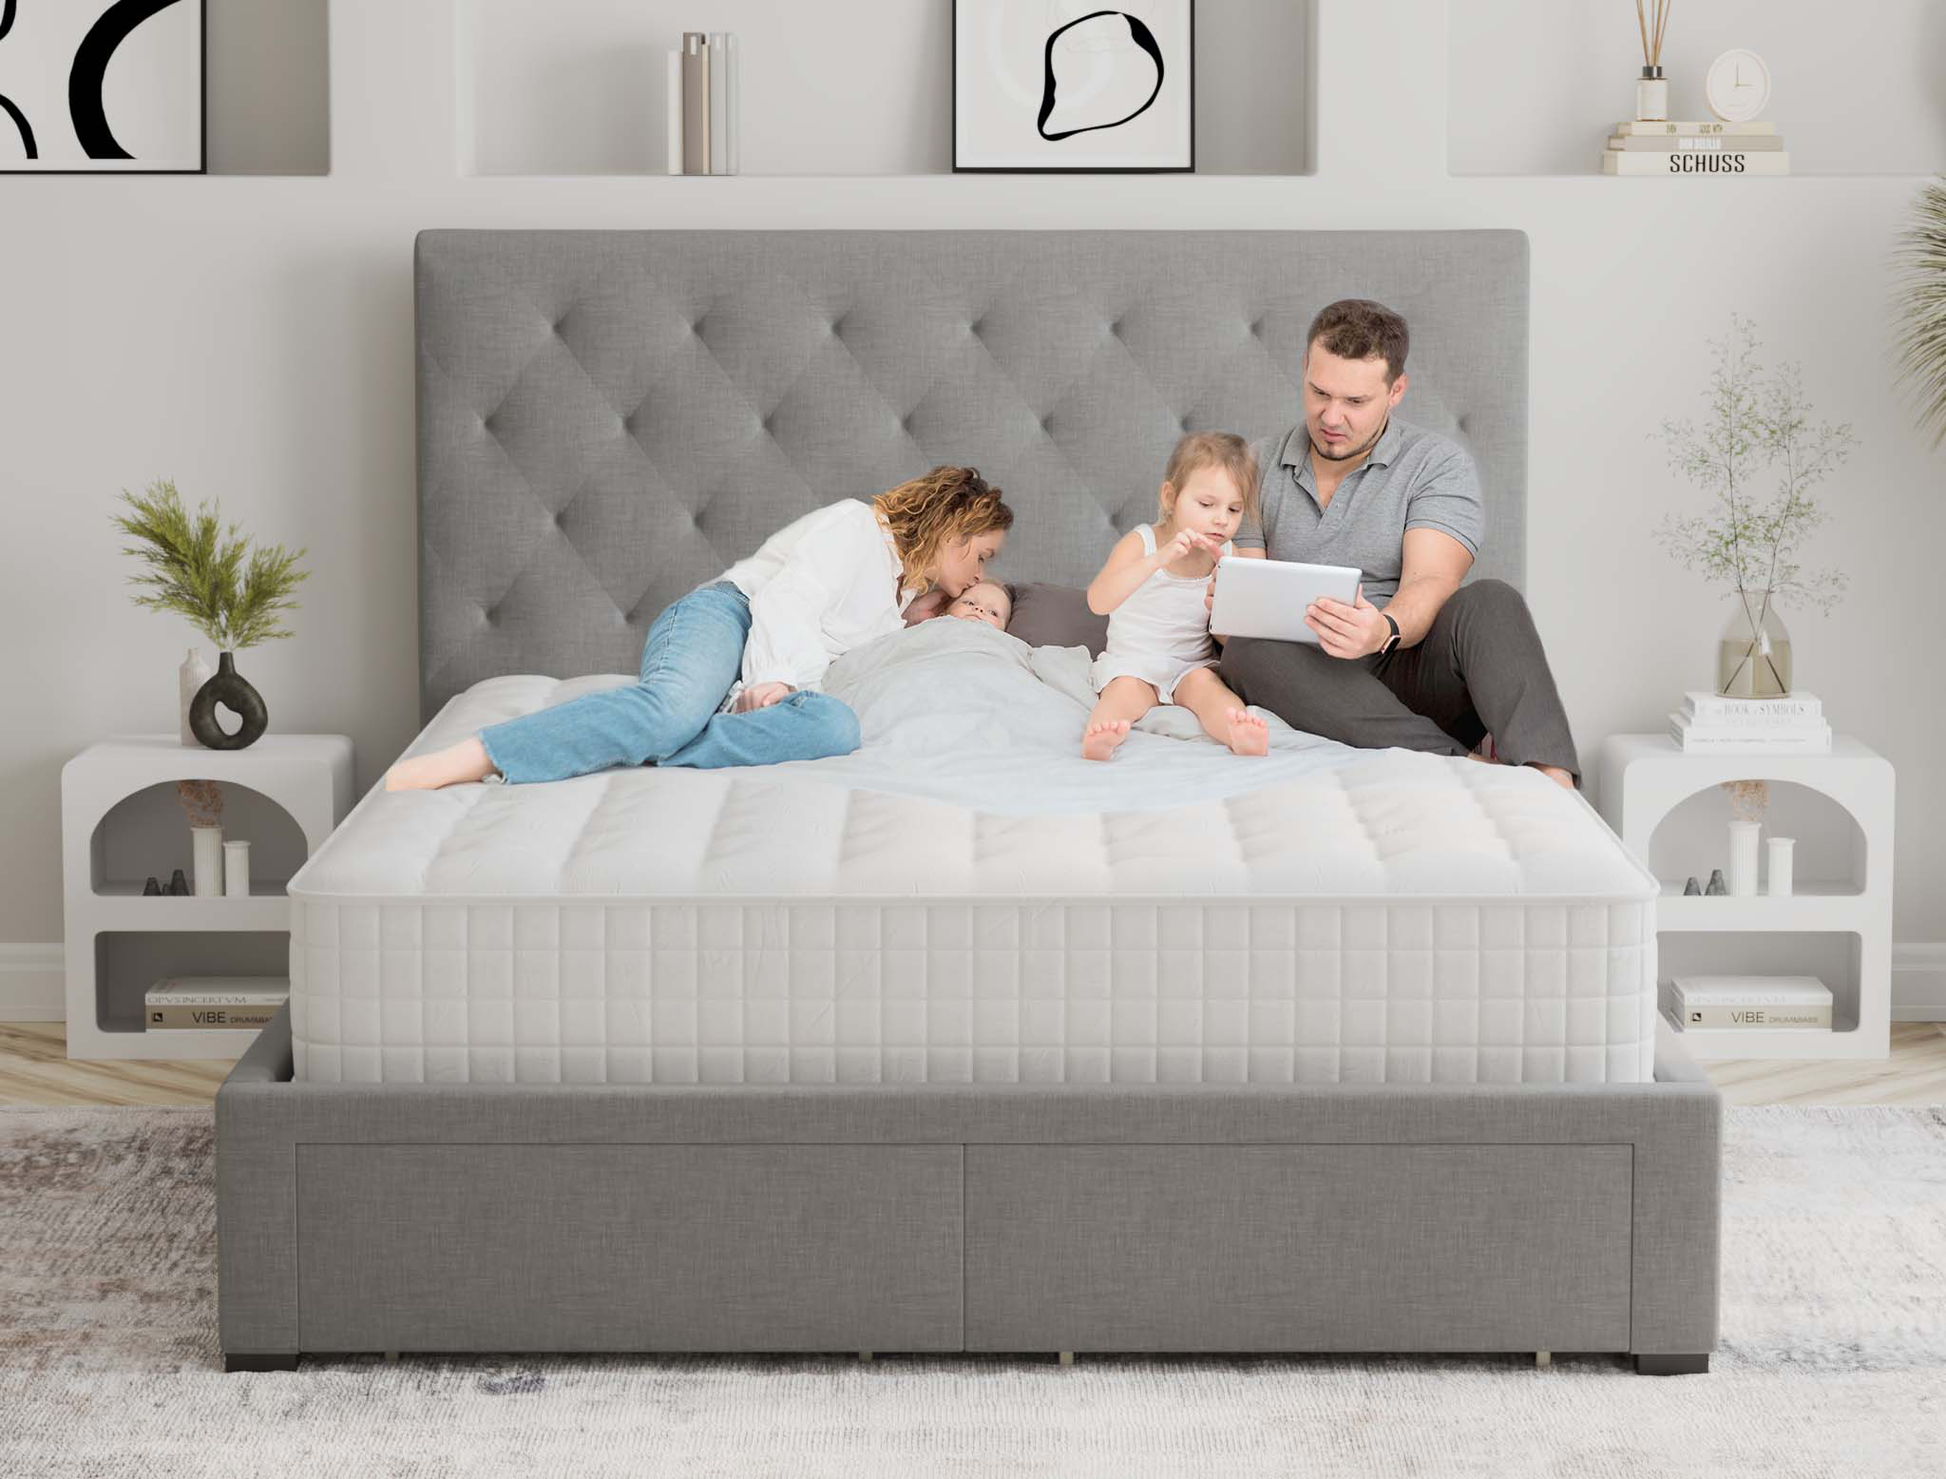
(1071, 86)
(102, 87)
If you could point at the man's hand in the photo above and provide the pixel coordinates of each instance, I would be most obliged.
(762, 696)
(1357, 630)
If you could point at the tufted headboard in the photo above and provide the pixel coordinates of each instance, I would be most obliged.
(607, 419)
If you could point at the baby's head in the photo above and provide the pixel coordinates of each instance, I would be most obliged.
(985, 600)
(1210, 485)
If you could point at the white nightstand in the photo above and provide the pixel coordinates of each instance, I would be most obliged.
(1837, 922)
(308, 776)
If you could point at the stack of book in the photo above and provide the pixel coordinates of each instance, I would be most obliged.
(200, 1003)
(1784, 1003)
(1709, 724)
(703, 89)
(1638, 148)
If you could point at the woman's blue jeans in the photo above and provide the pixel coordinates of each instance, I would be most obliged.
(693, 655)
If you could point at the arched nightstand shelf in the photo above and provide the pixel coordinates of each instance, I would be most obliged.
(1645, 777)
(308, 777)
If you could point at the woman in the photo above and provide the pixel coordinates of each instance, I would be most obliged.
(730, 672)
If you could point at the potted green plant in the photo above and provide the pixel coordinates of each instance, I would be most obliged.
(229, 588)
(1758, 425)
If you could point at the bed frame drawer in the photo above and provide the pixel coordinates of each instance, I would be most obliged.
(628, 1247)
(1298, 1247)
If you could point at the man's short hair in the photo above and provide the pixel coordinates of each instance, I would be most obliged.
(1358, 328)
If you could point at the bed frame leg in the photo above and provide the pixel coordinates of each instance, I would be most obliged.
(1066, 1358)
(864, 1355)
(243, 1361)
(1677, 1365)
(1543, 1358)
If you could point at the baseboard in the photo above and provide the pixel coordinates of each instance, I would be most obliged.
(1919, 983)
(33, 984)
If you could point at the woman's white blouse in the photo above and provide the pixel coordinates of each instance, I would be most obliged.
(818, 588)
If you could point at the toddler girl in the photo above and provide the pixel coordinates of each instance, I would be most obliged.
(1151, 590)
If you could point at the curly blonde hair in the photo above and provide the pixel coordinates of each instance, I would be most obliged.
(928, 513)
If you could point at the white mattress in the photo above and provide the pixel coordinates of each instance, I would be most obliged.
(1390, 917)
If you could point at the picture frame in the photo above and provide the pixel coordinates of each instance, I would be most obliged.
(64, 110)
(1129, 75)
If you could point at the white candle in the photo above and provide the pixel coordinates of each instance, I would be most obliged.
(1780, 866)
(1743, 858)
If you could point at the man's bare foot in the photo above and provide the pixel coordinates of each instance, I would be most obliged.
(1103, 739)
(1555, 773)
(465, 761)
(1249, 735)
(1483, 759)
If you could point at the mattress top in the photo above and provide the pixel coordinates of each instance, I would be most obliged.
(1381, 823)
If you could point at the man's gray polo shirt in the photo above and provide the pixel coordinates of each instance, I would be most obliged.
(1413, 479)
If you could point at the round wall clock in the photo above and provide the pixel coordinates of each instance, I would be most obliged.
(1738, 86)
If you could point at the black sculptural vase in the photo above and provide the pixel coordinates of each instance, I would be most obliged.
(229, 689)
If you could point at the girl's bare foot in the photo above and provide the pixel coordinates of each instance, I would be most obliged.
(465, 761)
(1249, 735)
(1103, 739)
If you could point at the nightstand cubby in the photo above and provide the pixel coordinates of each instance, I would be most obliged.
(119, 815)
(1836, 923)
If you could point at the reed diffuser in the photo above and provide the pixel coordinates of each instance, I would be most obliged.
(1651, 88)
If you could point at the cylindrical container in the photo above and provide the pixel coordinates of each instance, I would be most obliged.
(1652, 96)
(236, 870)
(206, 852)
(672, 113)
(1743, 858)
(192, 675)
(1781, 864)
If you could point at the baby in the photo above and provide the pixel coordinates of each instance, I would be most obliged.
(990, 601)
(1151, 590)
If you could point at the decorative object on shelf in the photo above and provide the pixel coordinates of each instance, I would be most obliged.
(200, 1003)
(232, 590)
(1717, 888)
(1921, 342)
(1737, 86)
(1692, 889)
(705, 86)
(151, 889)
(1758, 421)
(1702, 1003)
(1778, 884)
(1708, 723)
(1044, 86)
(672, 112)
(236, 869)
(193, 674)
(206, 854)
(1651, 88)
(178, 885)
(202, 801)
(56, 118)
(1749, 800)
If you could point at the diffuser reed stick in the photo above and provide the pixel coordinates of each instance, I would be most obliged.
(1652, 31)
(1652, 89)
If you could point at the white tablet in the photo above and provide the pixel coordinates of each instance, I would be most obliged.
(1268, 598)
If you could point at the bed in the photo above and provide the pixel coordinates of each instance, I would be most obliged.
(957, 1043)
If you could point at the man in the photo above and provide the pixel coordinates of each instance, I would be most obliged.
(1416, 660)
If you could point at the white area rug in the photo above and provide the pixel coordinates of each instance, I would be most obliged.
(1833, 1360)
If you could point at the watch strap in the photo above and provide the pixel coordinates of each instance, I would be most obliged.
(1393, 640)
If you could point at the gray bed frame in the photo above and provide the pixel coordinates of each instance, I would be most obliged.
(607, 419)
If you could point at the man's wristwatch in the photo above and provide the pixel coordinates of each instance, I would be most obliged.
(1385, 647)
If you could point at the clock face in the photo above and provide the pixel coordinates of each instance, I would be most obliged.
(1738, 86)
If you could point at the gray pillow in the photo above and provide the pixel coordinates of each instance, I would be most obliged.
(1056, 616)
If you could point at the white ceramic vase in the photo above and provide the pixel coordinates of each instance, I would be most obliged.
(1781, 866)
(236, 870)
(1743, 858)
(206, 852)
(191, 676)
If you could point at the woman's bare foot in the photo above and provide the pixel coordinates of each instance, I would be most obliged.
(1249, 735)
(1103, 739)
(465, 761)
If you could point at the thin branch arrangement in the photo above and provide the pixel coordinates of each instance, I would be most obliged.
(1652, 31)
(1921, 308)
(230, 589)
(203, 800)
(1758, 421)
(1748, 799)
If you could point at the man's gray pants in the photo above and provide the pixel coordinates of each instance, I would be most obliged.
(1480, 670)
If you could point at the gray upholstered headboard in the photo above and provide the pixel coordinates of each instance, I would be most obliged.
(607, 419)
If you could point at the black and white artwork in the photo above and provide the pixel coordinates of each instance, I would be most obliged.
(101, 86)
(1053, 85)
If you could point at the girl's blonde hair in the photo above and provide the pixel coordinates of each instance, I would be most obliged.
(928, 513)
(1219, 449)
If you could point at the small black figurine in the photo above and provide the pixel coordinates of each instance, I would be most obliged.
(1718, 889)
(178, 885)
(1692, 888)
(151, 889)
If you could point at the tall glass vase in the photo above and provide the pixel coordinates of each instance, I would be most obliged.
(1753, 659)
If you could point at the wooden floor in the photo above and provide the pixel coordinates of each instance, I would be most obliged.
(34, 1069)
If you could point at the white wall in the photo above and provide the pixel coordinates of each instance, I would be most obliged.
(252, 338)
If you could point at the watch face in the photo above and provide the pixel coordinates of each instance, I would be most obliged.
(1738, 86)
